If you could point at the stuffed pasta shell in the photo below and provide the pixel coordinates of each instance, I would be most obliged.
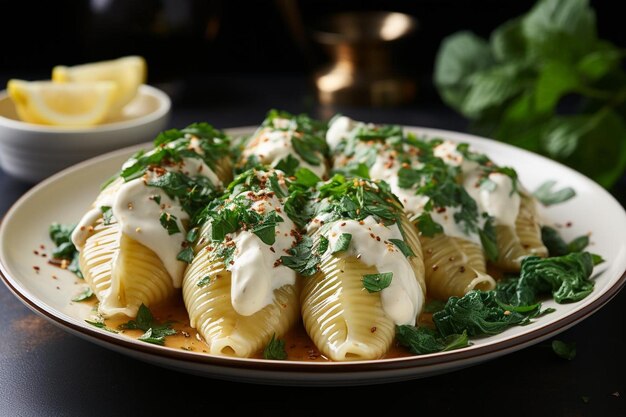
(366, 270)
(287, 142)
(445, 215)
(130, 242)
(501, 199)
(236, 290)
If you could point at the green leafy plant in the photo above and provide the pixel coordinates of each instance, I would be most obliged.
(545, 82)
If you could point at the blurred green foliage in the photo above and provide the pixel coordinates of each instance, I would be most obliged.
(545, 82)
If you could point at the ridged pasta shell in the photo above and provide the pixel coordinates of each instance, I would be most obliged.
(514, 244)
(454, 266)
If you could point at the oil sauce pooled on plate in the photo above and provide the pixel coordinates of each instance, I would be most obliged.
(298, 344)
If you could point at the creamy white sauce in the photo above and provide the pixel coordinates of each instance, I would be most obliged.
(502, 203)
(134, 208)
(448, 152)
(338, 131)
(256, 270)
(404, 299)
(271, 146)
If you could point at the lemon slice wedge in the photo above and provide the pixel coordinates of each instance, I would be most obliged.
(128, 73)
(67, 104)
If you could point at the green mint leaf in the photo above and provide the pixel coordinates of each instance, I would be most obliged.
(275, 186)
(306, 151)
(204, 281)
(86, 294)
(302, 259)
(427, 226)
(508, 42)
(107, 215)
(548, 196)
(154, 332)
(597, 64)
(169, 223)
(306, 177)
(492, 87)
(460, 56)
(377, 282)
(564, 350)
(489, 241)
(266, 229)
(553, 241)
(156, 198)
(275, 349)
(403, 247)
(101, 325)
(186, 255)
(556, 79)
(343, 243)
(322, 246)
(288, 165)
(578, 244)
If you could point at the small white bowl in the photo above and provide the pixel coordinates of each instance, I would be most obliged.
(32, 152)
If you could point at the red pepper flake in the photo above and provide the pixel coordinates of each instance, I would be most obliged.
(451, 259)
(342, 224)
(42, 247)
(272, 249)
(36, 268)
(36, 252)
(568, 224)
(378, 238)
(461, 269)
(373, 329)
(435, 267)
(58, 288)
(55, 277)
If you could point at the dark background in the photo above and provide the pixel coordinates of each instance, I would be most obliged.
(188, 39)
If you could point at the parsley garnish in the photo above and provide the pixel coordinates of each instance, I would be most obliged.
(275, 349)
(403, 247)
(186, 255)
(302, 258)
(377, 282)
(169, 223)
(343, 243)
(86, 294)
(427, 226)
(548, 196)
(107, 215)
(204, 281)
(154, 332)
(101, 325)
(564, 350)
(64, 249)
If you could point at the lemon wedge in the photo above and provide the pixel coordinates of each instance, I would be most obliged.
(67, 104)
(128, 73)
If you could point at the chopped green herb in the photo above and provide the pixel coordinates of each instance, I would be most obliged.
(343, 243)
(266, 228)
(155, 332)
(156, 198)
(403, 247)
(488, 240)
(61, 236)
(275, 349)
(377, 282)
(169, 223)
(579, 244)
(204, 281)
(322, 246)
(427, 226)
(86, 294)
(107, 215)
(101, 325)
(288, 165)
(192, 234)
(302, 258)
(564, 350)
(548, 196)
(186, 255)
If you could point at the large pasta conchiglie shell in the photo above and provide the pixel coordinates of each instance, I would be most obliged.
(122, 272)
(514, 244)
(211, 311)
(454, 266)
(344, 320)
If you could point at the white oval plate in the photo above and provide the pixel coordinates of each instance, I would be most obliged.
(65, 197)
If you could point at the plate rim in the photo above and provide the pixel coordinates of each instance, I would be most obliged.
(448, 359)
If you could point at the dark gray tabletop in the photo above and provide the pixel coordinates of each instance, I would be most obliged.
(45, 371)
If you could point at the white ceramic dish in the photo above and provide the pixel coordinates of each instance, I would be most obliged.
(64, 197)
(33, 152)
